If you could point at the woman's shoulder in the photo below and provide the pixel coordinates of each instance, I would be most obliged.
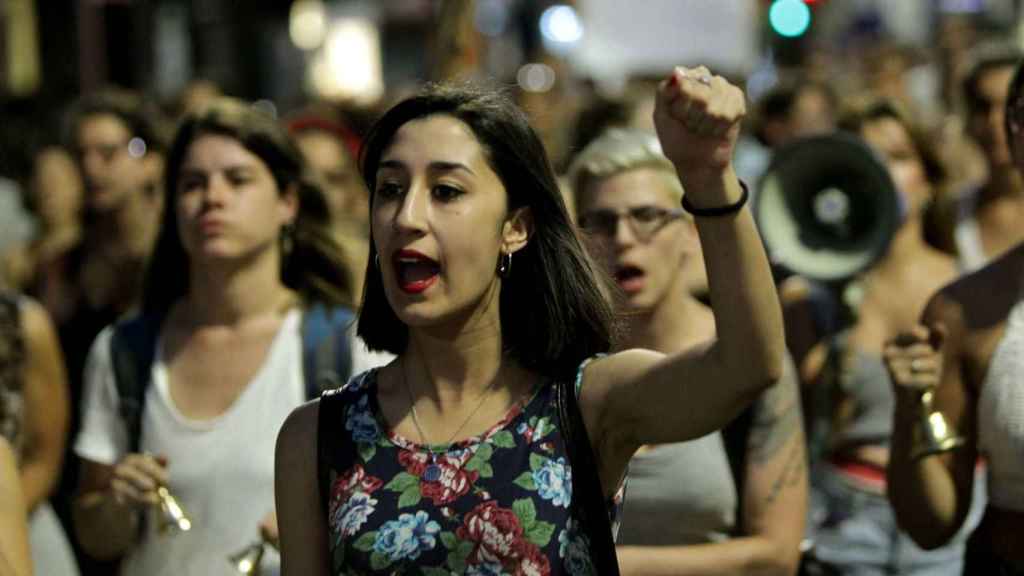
(982, 297)
(303, 423)
(35, 321)
(597, 375)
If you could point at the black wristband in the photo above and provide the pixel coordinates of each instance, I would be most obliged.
(718, 210)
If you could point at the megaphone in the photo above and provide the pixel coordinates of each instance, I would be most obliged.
(827, 207)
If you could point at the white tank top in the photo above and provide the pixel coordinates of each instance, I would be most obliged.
(1001, 416)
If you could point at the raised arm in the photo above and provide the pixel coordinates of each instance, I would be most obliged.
(931, 496)
(302, 528)
(46, 405)
(641, 397)
(774, 503)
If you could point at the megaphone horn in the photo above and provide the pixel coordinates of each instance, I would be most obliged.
(827, 207)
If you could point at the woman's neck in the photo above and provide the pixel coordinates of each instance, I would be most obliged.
(907, 244)
(676, 323)
(228, 293)
(459, 359)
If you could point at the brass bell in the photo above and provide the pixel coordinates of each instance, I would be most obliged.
(932, 435)
(247, 560)
(171, 516)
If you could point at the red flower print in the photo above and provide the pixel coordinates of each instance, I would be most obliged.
(533, 562)
(354, 479)
(350, 482)
(495, 531)
(413, 462)
(450, 485)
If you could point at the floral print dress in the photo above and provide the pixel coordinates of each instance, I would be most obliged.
(498, 503)
(12, 364)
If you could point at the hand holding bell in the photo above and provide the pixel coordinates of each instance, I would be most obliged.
(170, 515)
(914, 361)
(248, 559)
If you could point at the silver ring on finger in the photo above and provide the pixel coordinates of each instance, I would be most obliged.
(917, 365)
(704, 79)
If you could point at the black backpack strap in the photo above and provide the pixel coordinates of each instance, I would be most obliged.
(326, 351)
(132, 350)
(588, 502)
(335, 450)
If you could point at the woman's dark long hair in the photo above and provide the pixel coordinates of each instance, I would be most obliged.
(1013, 104)
(314, 267)
(553, 313)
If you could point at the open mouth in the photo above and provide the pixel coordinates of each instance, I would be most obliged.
(629, 278)
(415, 272)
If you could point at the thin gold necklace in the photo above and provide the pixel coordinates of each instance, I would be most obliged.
(433, 471)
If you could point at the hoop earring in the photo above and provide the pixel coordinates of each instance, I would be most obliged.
(505, 265)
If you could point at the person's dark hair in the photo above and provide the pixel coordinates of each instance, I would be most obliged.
(314, 267)
(857, 114)
(600, 114)
(553, 313)
(985, 58)
(1014, 95)
(143, 121)
(777, 104)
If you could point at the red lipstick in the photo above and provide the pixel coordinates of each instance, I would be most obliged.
(415, 271)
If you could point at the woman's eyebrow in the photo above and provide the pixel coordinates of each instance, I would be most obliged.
(444, 166)
(435, 166)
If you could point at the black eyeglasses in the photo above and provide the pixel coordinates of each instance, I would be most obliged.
(644, 221)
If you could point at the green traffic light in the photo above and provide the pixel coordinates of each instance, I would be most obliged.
(789, 18)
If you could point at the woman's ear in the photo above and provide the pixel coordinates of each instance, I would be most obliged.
(516, 230)
(289, 204)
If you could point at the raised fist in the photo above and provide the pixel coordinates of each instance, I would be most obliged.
(697, 116)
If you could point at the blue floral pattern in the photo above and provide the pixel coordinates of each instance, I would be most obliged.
(354, 513)
(574, 548)
(499, 503)
(361, 423)
(407, 536)
(554, 482)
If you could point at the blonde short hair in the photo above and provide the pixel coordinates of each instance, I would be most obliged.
(620, 150)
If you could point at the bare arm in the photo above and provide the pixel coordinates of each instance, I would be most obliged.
(15, 559)
(932, 496)
(775, 496)
(300, 520)
(46, 405)
(107, 510)
(774, 511)
(639, 397)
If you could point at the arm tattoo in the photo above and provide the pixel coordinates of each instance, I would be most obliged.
(776, 419)
(791, 473)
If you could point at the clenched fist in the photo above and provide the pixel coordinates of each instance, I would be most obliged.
(697, 116)
(914, 360)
